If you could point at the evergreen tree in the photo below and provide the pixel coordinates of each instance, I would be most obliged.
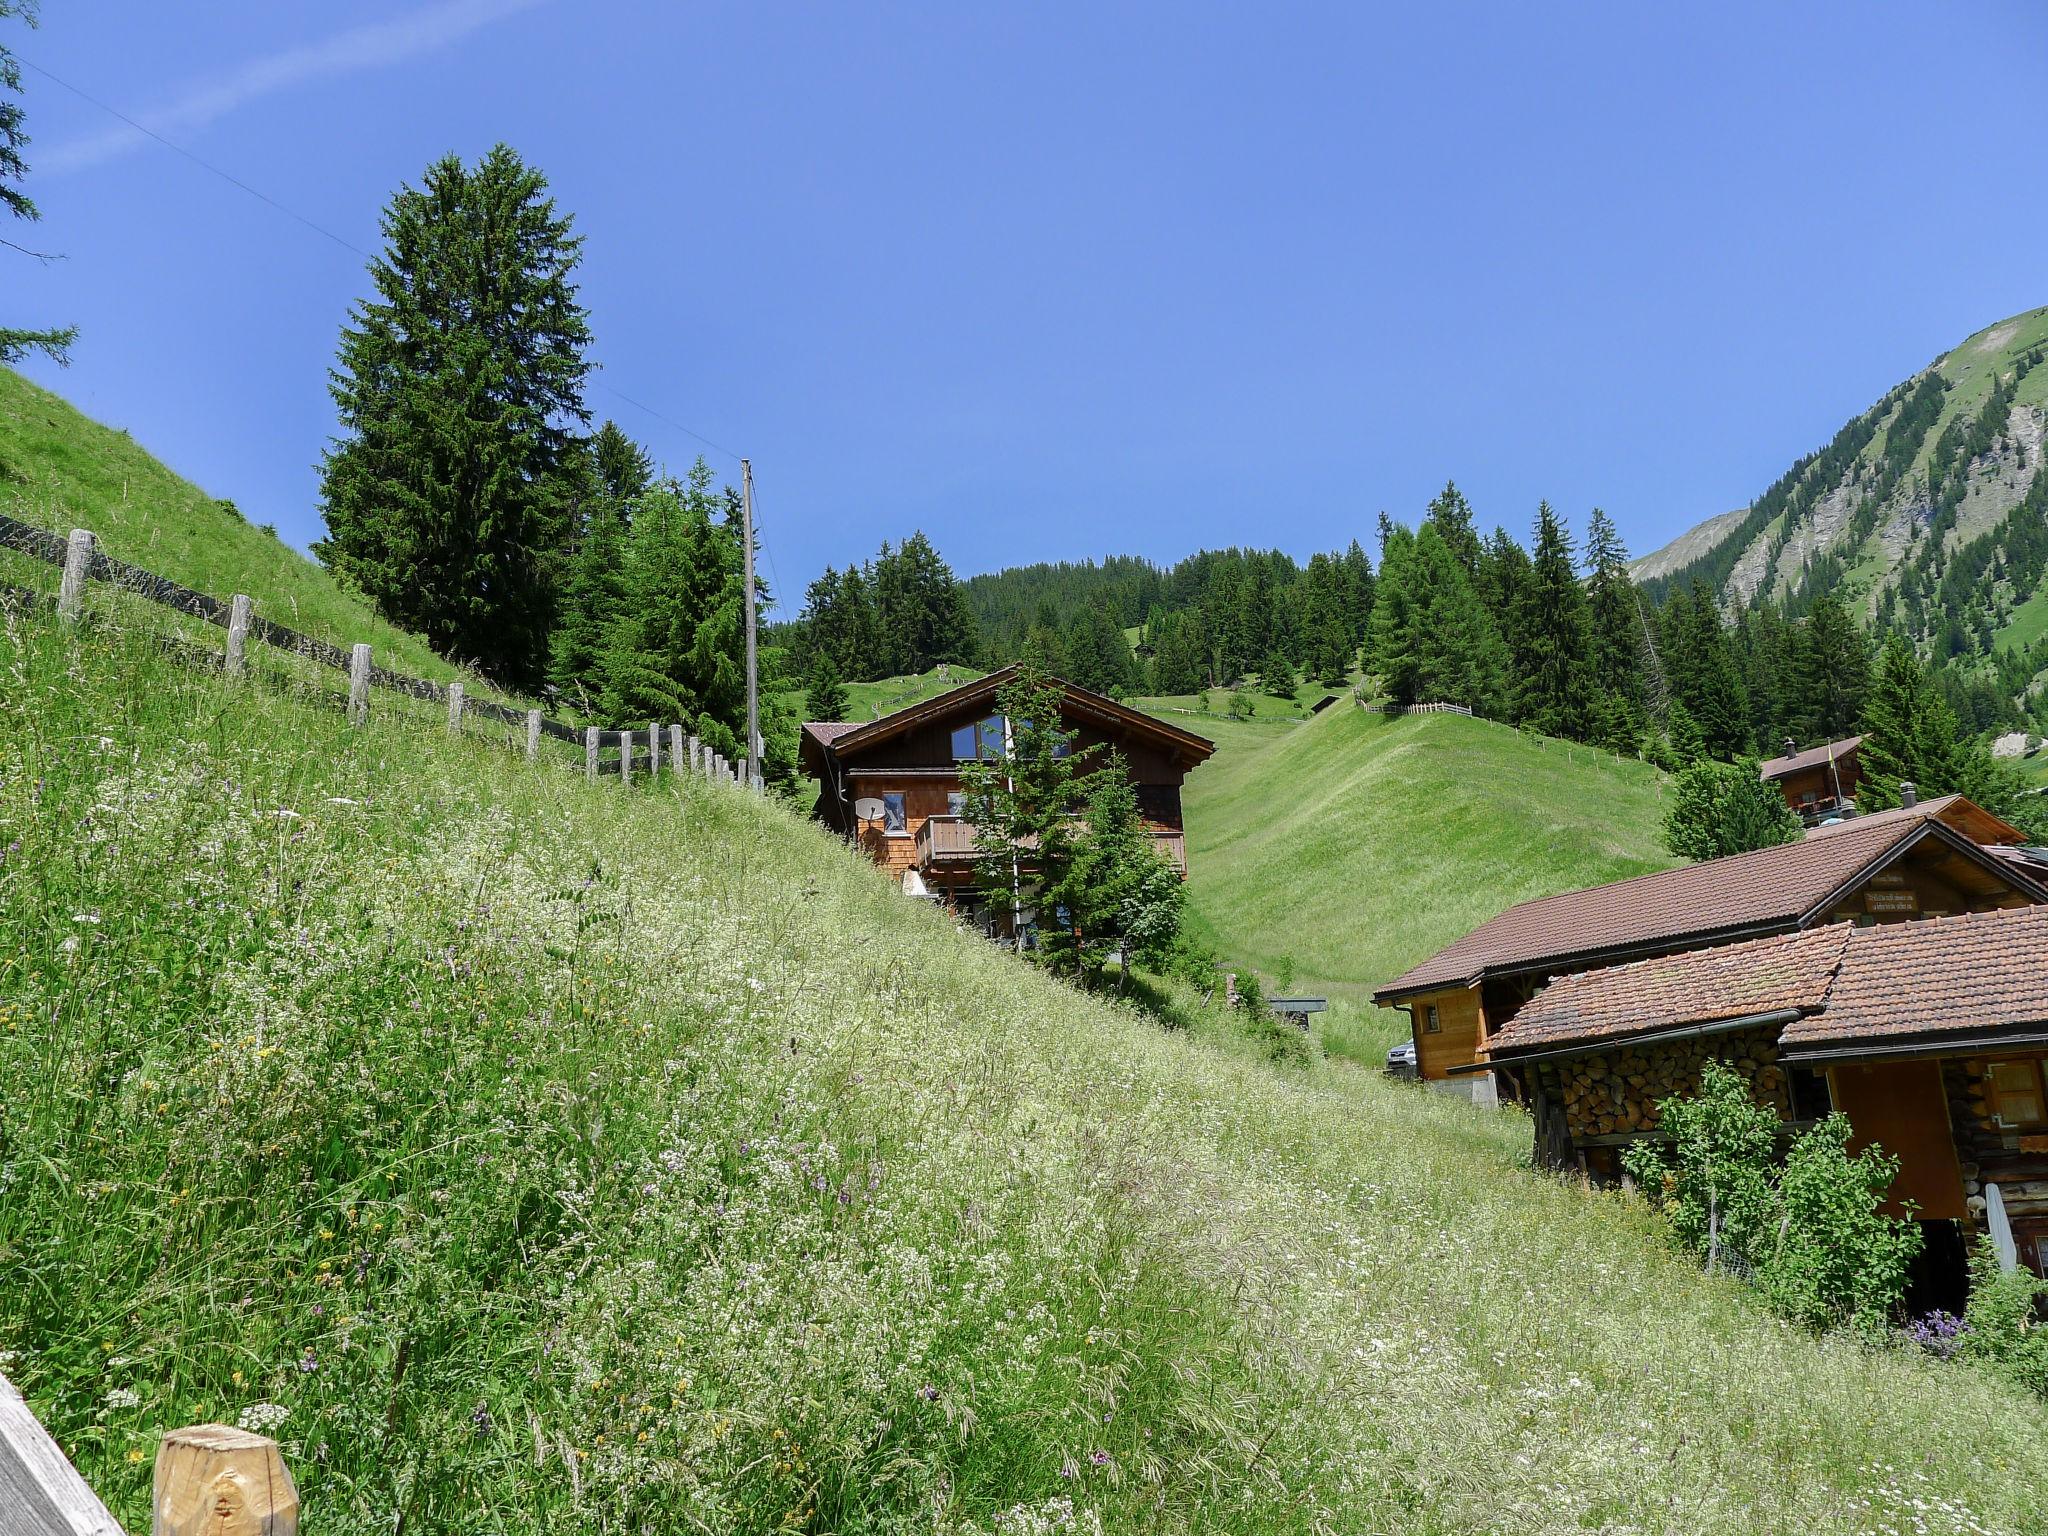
(921, 615)
(1276, 675)
(15, 343)
(1614, 615)
(1910, 735)
(1098, 657)
(1358, 581)
(1128, 896)
(592, 599)
(1179, 654)
(1025, 809)
(1390, 647)
(825, 697)
(458, 387)
(608, 476)
(1830, 672)
(1450, 514)
(675, 651)
(1554, 689)
(1459, 657)
(1700, 666)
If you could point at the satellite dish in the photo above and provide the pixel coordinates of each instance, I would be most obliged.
(868, 808)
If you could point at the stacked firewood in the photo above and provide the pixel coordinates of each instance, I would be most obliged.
(1617, 1092)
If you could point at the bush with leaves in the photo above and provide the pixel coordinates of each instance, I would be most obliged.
(1811, 1233)
(1723, 808)
(2001, 1331)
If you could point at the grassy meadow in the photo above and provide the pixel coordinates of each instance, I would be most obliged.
(60, 470)
(1352, 846)
(531, 1155)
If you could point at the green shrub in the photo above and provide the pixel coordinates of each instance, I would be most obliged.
(1811, 1233)
(2002, 1332)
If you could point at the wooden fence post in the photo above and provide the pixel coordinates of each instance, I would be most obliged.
(455, 706)
(626, 758)
(653, 751)
(359, 684)
(675, 751)
(696, 757)
(533, 733)
(41, 1493)
(590, 753)
(239, 610)
(215, 1481)
(77, 567)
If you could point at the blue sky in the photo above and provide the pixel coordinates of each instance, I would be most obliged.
(1056, 281)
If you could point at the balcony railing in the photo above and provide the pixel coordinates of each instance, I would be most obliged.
(948, 841)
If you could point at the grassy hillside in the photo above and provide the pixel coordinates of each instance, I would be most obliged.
(1355, 845)
(536, 1156)
(60, 470)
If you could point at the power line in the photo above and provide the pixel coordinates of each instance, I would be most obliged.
(320, 229)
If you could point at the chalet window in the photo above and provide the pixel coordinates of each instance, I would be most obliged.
(956, 803)
(1431, 1024)
(983, 739)
(893, 824)
(2016, 1096)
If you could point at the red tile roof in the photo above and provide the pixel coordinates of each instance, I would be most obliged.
(1966, 816)
(1978, 972)
(1772, 888)
(1703, 986)
(1812, 757)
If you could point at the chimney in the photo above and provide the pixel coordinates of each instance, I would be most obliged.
(1791, 747)
(1909, 794)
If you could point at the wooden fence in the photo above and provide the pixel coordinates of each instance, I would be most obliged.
(1413, 709)
(618, 753)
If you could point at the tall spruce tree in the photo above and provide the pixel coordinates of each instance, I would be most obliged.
(459, 387)
(1459, 657)
(1450, 514)
(1910, 735)
(1554, 689)
(614, 472)
(1830, 668)
(825, 695)
(1617, 626)
(1700, 666)
(16, 343)
(1390, 647)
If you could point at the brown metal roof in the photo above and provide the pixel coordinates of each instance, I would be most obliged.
(1940, 976)
(1783, 973)
(1742, 895)
(1812, 757)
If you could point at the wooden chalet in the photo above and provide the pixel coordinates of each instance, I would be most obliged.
(1935, 858)
(1931, 1037)
(1821, 781)
(905, 767)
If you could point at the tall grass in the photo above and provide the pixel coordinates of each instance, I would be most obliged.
(530, 1156)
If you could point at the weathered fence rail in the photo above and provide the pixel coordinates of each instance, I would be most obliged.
(82, 562)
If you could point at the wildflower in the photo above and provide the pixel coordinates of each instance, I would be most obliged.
(308, 1362)
(928, 1392)
(122, 1397)
(261, 1418)
(1098, 1458)
(481, 1421)
(134, 1457)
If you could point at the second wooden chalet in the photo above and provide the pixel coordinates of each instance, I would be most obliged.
(893, 785)
(1821, 781)
(1935, 858)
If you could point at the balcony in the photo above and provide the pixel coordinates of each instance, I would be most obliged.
(947, 842)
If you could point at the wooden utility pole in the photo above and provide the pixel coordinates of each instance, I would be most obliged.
(753, 752)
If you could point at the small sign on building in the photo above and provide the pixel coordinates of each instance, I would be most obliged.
(1891, 901)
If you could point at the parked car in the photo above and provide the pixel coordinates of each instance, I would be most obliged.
(1401, 1060)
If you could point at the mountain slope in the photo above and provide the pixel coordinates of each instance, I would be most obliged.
(1354, 845)
(534, 1155)
(60, 470)
(1943, 474)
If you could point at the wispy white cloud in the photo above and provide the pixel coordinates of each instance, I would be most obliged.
(377, 46)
